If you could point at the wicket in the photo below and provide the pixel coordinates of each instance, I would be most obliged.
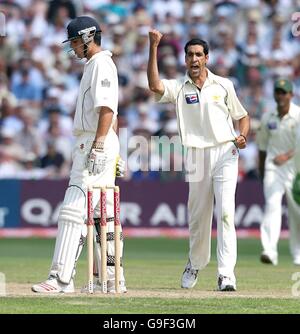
(103, 241)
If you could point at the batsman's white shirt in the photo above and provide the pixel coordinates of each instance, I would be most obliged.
(98, 88)
(205, 124)
(204, 117)
(277, 136)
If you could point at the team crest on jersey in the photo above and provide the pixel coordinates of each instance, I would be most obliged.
(105, 83)
(191, 98)
(272, 125)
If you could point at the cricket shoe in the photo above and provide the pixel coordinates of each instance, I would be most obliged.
(52, 285)
(112, 289)
(265, 258)
(226, 283)
(189, 277)
(296, 261)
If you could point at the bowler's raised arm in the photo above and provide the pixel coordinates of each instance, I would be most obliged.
(154, 82)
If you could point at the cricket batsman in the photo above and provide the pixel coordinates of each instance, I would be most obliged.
(94, 157)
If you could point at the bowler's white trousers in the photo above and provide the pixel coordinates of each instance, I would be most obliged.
(219, 167)
(277, 182)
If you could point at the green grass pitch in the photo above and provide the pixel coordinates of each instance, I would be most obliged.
(153, 268)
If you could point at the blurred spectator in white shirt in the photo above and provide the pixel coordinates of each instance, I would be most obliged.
(28, 137)
(160, 8)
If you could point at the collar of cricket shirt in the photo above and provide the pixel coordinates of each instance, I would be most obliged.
(211, 78)
(99, 54)
(292, 113)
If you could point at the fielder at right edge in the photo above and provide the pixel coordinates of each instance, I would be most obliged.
(277, 143)
(296, 182)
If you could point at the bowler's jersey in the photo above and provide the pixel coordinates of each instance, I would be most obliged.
(278, 135)
(204, 117)
(98, 88)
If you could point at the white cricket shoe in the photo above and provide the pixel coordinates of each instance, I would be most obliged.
(297, 261)
(226, 283)
(52, 285)
(111, 286)
(267, 259)
(189, 277)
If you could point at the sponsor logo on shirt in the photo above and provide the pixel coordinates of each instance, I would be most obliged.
(105, 83)
(272, 125)
(191, 98)
(216, 98)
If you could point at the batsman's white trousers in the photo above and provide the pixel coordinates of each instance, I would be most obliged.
(74, 208)
(278, 182)
(220, 170)
(79, 174)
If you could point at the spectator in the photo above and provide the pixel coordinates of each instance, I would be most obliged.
(53, 161)
(28, 136)
(61, 7)
(30, 170)
(249, 43)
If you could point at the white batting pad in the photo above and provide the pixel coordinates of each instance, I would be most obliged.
(70, 225)
(76, 197)
(71, 235)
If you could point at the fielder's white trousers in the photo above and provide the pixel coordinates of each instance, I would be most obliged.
(220, 170)
(278, 182)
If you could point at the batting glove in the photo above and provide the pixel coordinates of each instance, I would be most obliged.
(96, 161)
(120, 167)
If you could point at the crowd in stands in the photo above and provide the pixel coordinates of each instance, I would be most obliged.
(251, 42)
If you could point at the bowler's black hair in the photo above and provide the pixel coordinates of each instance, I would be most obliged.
(197, 41)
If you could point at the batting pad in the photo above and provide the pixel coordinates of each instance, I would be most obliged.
(68, 245)
(76, 197)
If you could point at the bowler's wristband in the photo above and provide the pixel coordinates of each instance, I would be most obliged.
(244, 137)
